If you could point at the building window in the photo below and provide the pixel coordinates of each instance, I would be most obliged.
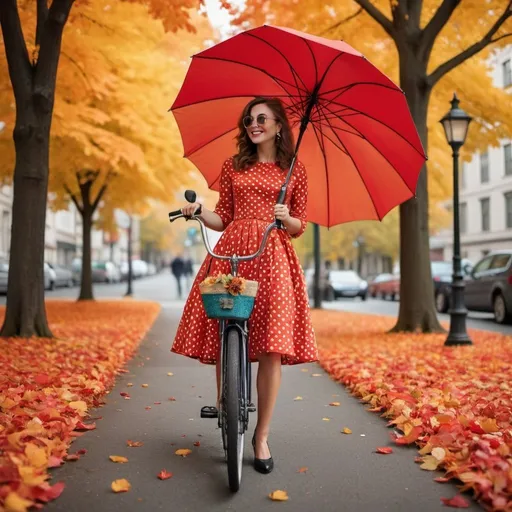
(484, 168)
(463, 217)
(507, 73)
(485, 212)
(507, 151)
(508, 209)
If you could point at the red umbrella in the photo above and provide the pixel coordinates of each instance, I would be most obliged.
(354, 130)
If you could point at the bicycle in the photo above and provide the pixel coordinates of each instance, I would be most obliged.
(235, 382)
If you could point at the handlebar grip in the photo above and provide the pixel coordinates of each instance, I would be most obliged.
(176, 214)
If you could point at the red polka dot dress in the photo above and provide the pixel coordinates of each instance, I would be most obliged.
(280, 321)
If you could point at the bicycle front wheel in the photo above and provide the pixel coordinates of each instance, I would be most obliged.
(233, 405)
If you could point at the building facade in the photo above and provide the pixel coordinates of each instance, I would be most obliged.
(485, 190)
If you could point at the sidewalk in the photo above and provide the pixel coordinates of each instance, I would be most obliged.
(344, 472)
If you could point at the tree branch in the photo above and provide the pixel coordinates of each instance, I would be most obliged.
(501, 37)
(377, 15)
(414, 8)
(49, 52)
(343, 21)
(472, 50)
(73, 198)
(42, 16)
(102, 191)
(18, 59)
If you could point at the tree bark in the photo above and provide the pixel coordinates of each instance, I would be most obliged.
(417, 307)
(34, 91)
(86, 292)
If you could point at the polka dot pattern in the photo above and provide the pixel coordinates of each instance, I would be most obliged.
(280, 321)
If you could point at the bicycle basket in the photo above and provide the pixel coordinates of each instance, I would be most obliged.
(218, 303)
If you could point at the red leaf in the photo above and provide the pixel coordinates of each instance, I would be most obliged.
(85, 426)
(124, 393)
(455, 502)
(42, 379)
(384, 450)
(164, 474)
(197, 443)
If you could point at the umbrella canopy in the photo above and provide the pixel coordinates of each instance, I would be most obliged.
(357, 138)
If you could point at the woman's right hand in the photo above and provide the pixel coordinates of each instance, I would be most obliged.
(190, 208)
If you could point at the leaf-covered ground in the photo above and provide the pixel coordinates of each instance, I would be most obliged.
(48, 385)
(454, 403)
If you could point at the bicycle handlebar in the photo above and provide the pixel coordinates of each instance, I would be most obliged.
(177, 214)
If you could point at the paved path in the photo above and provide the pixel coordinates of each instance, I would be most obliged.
(344, 473)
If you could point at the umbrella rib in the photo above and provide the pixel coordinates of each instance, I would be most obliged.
(381, 154)
(378, 121)
(313, 57)
(197, 148)
(333, 142)
(322, 147)
(344, 88)
(357, 169)
(292, 69)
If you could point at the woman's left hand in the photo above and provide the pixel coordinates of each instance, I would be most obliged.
(281, 212)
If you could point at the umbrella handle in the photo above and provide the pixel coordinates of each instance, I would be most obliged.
(280, 200)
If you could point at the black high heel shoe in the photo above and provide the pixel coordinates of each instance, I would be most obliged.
(264, 466)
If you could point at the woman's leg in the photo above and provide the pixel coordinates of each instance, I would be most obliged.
(267, 383)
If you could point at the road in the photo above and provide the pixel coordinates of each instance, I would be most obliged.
(343, 471)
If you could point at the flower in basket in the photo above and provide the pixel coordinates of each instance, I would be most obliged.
(210, 280)
(235, 286)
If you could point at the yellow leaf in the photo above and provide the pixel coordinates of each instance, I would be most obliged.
(145, 385)
(430, 463)
(79, 405)
(278, 496)
(489, 425)
(36, 456)
(170, 374)
(297, 398)
(304, 370)
(15, 503)
(334, 404)
(439, 453)
(346, 430)
(130, 384)
(326, 419)
(183, 452)
(316, 375)
(31, 476)
(118, 458)
(121, 485)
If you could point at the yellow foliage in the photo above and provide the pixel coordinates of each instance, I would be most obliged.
(118, 74)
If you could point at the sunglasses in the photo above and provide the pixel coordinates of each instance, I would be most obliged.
(261, 119)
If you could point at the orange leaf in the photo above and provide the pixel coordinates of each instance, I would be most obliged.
(118, 458)
(384, 450)
(121, 485)
(456, 502)
(15, 503)
(302, 470)
(335, 404)
(134, 444)
(164, 474)
(346, 430)
(183, 452)
(278, 496)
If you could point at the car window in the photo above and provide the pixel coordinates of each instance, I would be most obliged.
(483, 265)
(500, 261)
(344, 275)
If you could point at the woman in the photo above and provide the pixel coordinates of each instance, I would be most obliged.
(280, 325)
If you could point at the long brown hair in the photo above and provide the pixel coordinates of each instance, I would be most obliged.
(247, 154)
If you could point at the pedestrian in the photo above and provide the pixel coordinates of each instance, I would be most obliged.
(177, 269)
(280, 326)
(188, 271)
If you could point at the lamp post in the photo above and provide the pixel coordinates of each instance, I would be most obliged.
(456, 124)
(359, 243)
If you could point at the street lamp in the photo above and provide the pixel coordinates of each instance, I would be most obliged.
(456, 124)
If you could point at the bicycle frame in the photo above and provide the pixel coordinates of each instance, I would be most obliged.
(226, 325)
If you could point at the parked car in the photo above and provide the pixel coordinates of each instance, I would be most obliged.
(442, 272)
(105, 272)
(139, 269)
(309, 275)
(347, 283)
(56, 275)
(4, 275)
(489, 286)
(384, 286)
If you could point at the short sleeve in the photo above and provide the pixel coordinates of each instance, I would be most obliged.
(225, 205)
(299, 199)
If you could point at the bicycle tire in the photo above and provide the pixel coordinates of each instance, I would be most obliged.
(234, 429)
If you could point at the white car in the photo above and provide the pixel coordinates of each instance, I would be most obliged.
(139, 269)
(347, 283)
(55, 275)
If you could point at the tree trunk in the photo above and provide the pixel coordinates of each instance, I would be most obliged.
(86, 280)
(26, 315)
(417, 308)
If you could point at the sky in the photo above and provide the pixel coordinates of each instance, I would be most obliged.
(219, 18)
